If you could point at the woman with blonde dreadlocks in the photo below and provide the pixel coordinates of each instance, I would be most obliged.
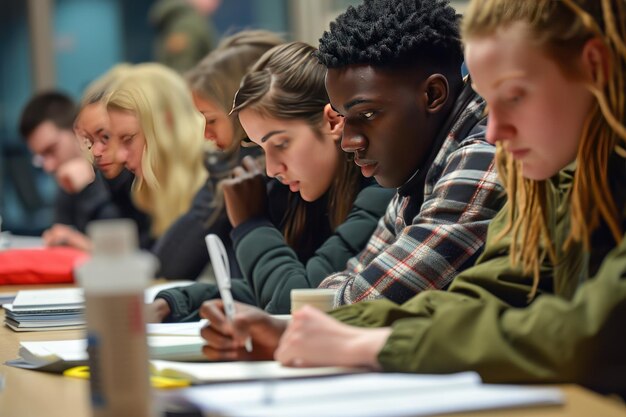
(546, 302)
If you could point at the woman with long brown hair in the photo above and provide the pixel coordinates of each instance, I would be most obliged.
(283, 106)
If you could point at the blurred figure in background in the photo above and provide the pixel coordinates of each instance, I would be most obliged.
(46, 125)
(159, 134)
(213, 82)
(184, 32)
(92, 129)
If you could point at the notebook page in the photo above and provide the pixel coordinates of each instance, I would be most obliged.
(240, 371)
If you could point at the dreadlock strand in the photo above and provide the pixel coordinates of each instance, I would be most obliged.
(612, 31)
(504, 169)
(518, 208)
(584, 214)
(548, 250)
(611, 119)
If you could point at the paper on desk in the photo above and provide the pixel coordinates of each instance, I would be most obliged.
(375, 395)
(176, 329)
(74, 297)
(7, 297)
(240, 371)
(58, 355)
(76, 349)
(46, 299)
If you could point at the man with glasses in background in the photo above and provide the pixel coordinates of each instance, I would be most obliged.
(46, 124)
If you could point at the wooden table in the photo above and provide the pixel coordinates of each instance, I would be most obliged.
(34, 394)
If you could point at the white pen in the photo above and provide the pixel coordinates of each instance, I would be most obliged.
(219, 261)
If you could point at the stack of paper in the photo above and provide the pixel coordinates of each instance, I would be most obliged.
(58, 309)
(7, 297)
(362, 395)
(180, 342)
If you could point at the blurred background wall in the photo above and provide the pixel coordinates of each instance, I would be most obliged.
(65, 44)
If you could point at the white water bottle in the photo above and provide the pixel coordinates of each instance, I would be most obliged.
(114, 280)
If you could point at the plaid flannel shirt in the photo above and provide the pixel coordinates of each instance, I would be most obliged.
(418, 246)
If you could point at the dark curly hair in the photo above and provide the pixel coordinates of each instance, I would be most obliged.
(394, 32)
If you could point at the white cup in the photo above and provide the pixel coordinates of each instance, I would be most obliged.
(320, 298)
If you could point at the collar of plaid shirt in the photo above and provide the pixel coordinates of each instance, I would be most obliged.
(457, 125)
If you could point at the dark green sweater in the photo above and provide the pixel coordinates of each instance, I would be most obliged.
(272, 269)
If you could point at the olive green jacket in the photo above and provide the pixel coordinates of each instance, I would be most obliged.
(574, 331)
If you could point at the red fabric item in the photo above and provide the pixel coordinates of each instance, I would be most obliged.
(39, 266)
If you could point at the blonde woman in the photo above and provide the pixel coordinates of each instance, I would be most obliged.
(215, 80)
(91, 128)
(213, 83)
(159, 137)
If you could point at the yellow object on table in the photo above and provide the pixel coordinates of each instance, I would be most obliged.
(156, 381)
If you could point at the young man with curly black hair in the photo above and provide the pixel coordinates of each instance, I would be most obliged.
(413, 123)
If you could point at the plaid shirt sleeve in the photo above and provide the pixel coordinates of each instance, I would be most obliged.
(445, 237)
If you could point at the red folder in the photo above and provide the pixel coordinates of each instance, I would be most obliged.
(54, 265)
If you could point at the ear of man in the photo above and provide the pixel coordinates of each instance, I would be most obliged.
(334, 121)
(436, 93)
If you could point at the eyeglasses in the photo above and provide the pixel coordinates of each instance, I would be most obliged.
(87, 143)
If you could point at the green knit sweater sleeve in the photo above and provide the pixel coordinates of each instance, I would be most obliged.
(273, 268)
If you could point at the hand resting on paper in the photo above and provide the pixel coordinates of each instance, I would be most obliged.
(313, 338)
(226, 340)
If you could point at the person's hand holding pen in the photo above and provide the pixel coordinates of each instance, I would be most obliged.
(226, 338)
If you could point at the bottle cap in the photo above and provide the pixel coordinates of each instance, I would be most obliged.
(113, 237)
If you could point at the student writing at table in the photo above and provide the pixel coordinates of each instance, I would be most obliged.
(546, 303)
(331, 212)
(413, 124)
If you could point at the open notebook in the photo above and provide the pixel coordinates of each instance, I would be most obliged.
(171, 341)
(363, 395)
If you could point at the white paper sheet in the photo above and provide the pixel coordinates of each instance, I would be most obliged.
(366, 395)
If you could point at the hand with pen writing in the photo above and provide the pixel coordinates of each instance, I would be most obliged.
(226, 340)
(245, 194)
